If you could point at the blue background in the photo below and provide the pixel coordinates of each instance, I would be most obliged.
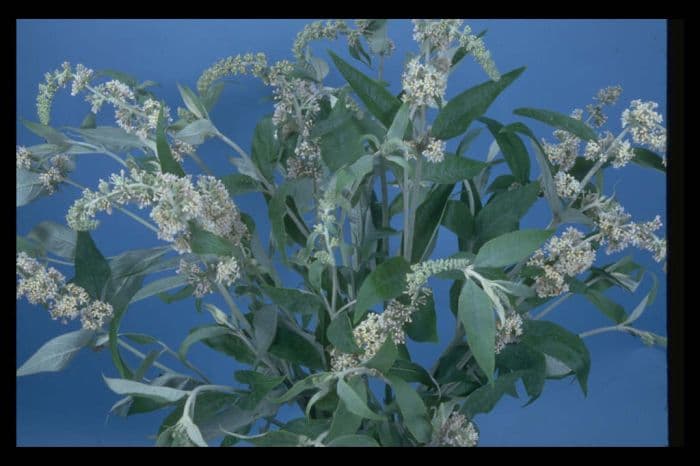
(567, 62)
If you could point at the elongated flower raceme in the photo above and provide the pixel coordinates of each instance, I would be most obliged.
(65, 301)
(456, 431)
(175, 202)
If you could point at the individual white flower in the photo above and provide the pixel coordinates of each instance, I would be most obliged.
(645, 124)
(456, 431)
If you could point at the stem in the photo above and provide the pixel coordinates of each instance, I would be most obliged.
(551, 307)
(138, 353)
(57, 261)
(101, 150)
(116, 102)
(237, 314)
(200, 163)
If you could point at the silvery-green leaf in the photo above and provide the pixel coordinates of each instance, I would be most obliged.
(354, 403)
(29, 187)
(159, 286)
(476, 315)
(510, 248)
(555, 368)
(196, 132)
(264, 327)
(646, 301)
(51, 135)
(55, 355)
(560, 121)
(130, 387)
(111, 137)
(192, 102)
(55, 238)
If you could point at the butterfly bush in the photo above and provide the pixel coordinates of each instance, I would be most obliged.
(357, 183)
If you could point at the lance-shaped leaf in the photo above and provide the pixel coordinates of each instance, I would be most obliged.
(340, 334)
(130, 387)
(560, 121)
(427, 222)
(387, 281)
(479, 323)
(378, 100)
(167, 163)
(55, 354)
(503, 212)
(514, 151)
(192, 102)
(462, 110)
(510, 248)
(55, 238)
(196, 132)
(413, 410)
(354, 403)
(29, 187)
(646, 158)
(452, 169)
(91, 269)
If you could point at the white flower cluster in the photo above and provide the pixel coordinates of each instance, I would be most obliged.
(255, 64)
(47, 286)
(563, 155)
(475, 46)
(423, 84)
(195, 277)
(52, 169)
(606, 96)
(435, 150)
(608, 148)
(509, 331)
(227, 271)
(567, 255)
(372, 332)
(319, 30)
(438, 34)
(619, 232)
(566, 185)
(54, 81)
(456, 431)
(421, 272)
(644, 122)
(176, 201)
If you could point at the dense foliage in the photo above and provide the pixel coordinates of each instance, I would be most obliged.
(343, 172)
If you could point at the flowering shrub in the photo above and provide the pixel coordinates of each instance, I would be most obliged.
(335, 166)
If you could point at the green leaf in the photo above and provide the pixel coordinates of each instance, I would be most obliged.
(646, 301)
(55, 354)
(607, 306)
(386, 282)
(294, 300)
(111, 138)
(140, 338)
(378, 100)
(49, 134)
(484, 399)
(353, 441)
(557, 120)
(340, 138)
(179, 295)
(477, 317)
(410, 372)
(260, 384)
(513, 149)
(196, 132)
(240, 184)
(277, 210)
(119, 76)
(345, 422)
(130, 387)
(91, 269)
(452, 169)
(354, 403)
(530, 363)
(29, 187)
(312, 381)
(265, 147)
(400, 123)
(279, 438)
(413, 410)
(264, 327)
(159, 286)
(340, 334)
(458, 114)
(423, 325)
(289, 344)
(385, 356)
(649, 159)
(30, 247)
(428, 217)
(167, 163)
(89, 122)
(55, 238)
(559, 344)
(204, 242)
(510, 248)
(458, 219)
(199, 334)
(503, 212)
(192, 102)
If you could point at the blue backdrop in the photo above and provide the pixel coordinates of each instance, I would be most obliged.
(567, 62)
